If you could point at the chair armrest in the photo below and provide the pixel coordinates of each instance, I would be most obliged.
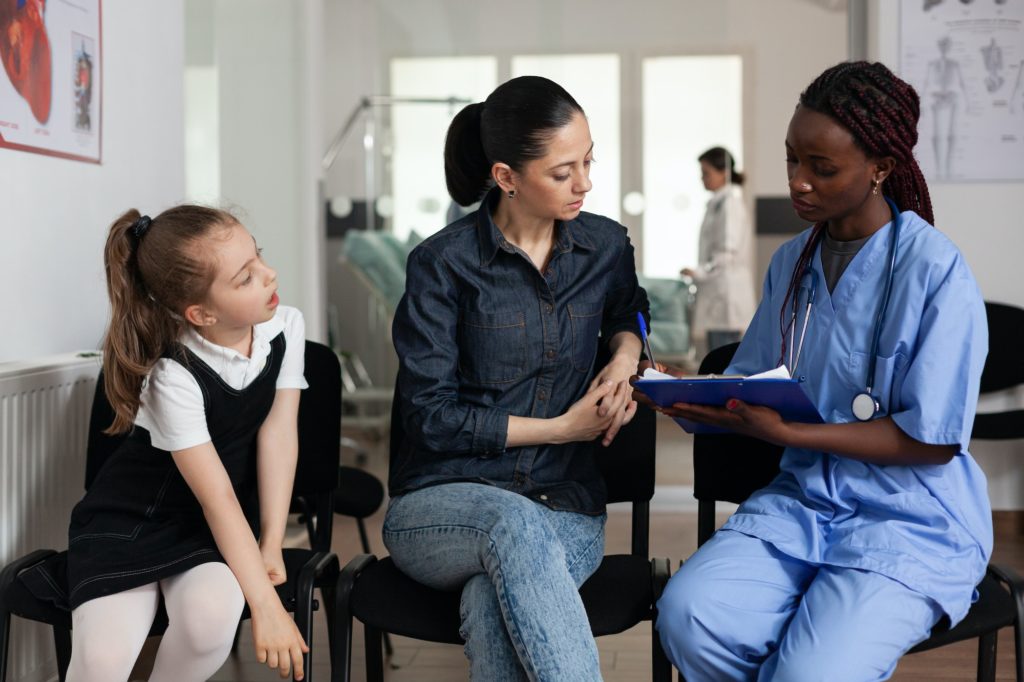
(11, 570)
(661, 570)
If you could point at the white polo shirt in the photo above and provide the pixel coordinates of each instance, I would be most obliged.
(172, 407)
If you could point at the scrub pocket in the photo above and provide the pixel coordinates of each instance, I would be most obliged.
(889, 374)
(492, 346)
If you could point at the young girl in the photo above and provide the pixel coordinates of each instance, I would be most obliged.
(203, 368)
(878, 523)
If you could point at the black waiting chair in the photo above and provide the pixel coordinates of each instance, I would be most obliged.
(308, 569)
(729, 467)
(621, 593)
(1004, 369)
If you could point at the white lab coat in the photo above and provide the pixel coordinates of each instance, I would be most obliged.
(724, 276)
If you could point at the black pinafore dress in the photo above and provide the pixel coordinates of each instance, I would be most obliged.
(139, 522)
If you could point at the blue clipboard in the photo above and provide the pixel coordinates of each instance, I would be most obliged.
(785, 396)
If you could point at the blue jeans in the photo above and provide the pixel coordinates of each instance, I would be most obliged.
(519, 566)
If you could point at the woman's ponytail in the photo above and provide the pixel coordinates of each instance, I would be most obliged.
(467, 171)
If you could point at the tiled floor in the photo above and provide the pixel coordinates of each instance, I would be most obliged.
(624, 657)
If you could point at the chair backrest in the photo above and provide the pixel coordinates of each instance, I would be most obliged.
(727, 467)
(627, 466)
(316, 474)
(1004, 366)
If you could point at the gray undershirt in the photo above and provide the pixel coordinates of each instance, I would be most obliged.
(836, 255)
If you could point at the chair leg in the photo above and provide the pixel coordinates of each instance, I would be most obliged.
(62, 643)
(1018, 645)
(389, 651)
(987, 656)
(304, 621)
(661, 669)
(374, 660)
(330, 600)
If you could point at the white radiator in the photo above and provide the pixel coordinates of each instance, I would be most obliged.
(44, 420)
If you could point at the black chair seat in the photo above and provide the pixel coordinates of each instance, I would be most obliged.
(359, 494)
(391, 601)
(991, 612)
(998, 425)
(619, 594)
(21, 602)
(616, 597)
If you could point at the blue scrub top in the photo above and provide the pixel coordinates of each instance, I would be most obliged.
(927, 526)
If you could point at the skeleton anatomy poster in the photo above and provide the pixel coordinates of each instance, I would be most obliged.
(51, 81)
(966, 60)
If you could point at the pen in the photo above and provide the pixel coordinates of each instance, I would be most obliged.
(643, 335)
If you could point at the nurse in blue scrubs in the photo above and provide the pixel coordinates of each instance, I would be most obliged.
(879, 521)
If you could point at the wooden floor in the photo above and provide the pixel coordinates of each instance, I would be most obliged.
(624, 657)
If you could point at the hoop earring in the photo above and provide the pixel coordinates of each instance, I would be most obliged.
(511, 194)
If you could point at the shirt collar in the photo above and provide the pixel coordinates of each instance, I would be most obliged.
(567, 234)
(262, 334)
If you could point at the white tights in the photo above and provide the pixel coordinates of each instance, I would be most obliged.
(203, 607)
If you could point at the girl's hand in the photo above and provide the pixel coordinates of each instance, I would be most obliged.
(277, 639)
(750, 420)
(273, 561)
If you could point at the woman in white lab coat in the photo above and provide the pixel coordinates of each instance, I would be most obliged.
(725, 280)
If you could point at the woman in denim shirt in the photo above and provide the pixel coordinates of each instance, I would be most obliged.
(494, 487)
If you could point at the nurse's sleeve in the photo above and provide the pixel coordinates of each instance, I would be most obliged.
(939, 392)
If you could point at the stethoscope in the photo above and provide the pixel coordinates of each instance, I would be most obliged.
(865, 404)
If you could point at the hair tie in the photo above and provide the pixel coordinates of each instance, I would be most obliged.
(140, 226)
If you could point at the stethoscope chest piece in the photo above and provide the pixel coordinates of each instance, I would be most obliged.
(865, 407)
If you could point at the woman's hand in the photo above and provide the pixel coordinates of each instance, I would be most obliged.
(276, 638)
(737, 416)
(584, 421)
(273, 560)
(619, 403)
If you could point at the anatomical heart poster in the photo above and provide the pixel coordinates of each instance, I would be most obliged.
(51, 80)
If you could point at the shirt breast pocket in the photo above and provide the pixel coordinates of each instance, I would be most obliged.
(492, 346)
(888, 379)
(586, 325)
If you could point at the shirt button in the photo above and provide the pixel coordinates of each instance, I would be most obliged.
(542, 395)
(550, 354)
(544, 497)
(549, 308)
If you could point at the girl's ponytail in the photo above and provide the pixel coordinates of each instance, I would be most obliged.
(139, 327)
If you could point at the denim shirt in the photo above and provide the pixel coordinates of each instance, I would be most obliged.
(482, 334)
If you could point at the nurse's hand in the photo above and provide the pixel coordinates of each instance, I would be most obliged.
(640, 396)
(737, 416)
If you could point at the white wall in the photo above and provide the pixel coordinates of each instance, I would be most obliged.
(784, 43)
(269, 60)
(56, 212)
